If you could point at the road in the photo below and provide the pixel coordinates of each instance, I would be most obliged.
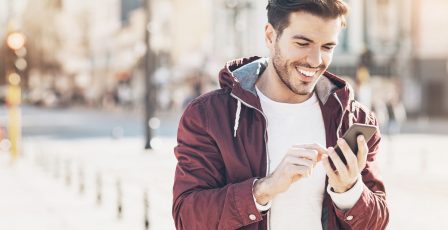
(80, 122)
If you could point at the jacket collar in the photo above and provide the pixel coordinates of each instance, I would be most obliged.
(242, 74)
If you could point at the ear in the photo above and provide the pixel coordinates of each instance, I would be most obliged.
(270, 36)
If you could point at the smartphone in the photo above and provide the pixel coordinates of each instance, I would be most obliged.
(351, 136)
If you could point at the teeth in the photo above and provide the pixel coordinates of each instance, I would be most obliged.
(307, 73)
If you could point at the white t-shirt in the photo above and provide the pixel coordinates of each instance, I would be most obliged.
(301, 206)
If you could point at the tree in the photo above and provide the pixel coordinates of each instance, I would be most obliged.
(43, 38)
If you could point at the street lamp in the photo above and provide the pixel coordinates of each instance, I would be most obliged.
(16, 42)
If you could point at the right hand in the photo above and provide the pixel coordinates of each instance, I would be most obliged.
(298, 163)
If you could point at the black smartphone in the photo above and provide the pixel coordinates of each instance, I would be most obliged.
(351, 136)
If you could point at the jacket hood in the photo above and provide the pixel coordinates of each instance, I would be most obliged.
(241, 75)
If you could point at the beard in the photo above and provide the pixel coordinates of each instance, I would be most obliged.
(287, 72)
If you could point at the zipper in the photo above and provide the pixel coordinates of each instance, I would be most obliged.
(268, 159)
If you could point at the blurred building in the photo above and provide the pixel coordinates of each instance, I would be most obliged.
(403, 39)
(407, 47)
(92, 51)
(85, 51)
(3, 17)
(430, 54)
(239, 28)
(106, 45)
(10, 11)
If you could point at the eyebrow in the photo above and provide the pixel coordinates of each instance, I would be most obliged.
(301, 37)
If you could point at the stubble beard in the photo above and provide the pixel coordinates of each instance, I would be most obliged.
(281, 68)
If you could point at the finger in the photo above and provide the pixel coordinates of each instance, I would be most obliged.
(340, 166)
(363, 151)
(330, 173)
(304, 153)
(319, 148)
(300, 161)
(301, 170)
(350, 157)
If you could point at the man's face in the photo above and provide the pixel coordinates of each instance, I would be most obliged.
(303, 52)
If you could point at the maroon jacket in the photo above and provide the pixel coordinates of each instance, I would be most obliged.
(222, 149)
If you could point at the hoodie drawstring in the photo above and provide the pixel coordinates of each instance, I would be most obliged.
(237, 118)
(351, 115)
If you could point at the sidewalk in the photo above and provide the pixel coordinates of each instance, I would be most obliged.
(36, 193)
(416, 180)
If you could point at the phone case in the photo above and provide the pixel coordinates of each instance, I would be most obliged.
(351, 137)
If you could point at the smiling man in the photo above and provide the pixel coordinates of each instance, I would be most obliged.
(256, 153)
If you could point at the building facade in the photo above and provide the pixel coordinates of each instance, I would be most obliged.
(430, 56)
(102, 44)
(408, 48)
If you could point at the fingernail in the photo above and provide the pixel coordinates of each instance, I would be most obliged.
(360, 138)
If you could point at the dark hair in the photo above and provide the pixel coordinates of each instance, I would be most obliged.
(280, 10)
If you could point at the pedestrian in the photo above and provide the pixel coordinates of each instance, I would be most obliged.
(250, 155)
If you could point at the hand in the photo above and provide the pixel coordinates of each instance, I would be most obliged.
(344, 177)
(295, 165)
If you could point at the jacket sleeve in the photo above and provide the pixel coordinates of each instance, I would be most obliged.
(370, 211)
(202, 198)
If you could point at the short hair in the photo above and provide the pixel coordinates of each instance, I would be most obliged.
(280, 10)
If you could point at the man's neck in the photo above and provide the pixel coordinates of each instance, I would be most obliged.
(270, 84)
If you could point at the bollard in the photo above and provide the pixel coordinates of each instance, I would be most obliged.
(98, 189)
(68, 177)
(146, 210)
(119, 200)
(81, 186)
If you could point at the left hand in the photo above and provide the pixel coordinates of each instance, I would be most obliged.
(345, 176)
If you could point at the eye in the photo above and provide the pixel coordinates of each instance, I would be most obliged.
(328, 48)
(302, 44)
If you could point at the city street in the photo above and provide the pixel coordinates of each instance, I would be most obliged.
(65, 149)
(85, 86)
(55, 184)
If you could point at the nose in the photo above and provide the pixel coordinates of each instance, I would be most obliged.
(314, 58)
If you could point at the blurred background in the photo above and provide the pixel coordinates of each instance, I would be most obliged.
(91, 93)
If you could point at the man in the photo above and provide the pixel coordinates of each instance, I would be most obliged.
(250, 154)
